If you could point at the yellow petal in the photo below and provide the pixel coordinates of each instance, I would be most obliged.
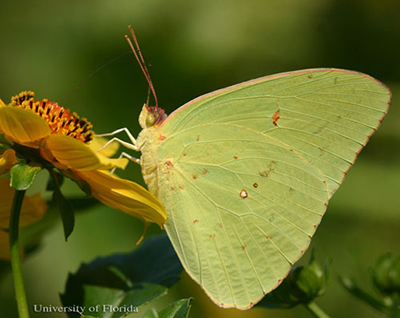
(7, 160)
(22, 126)
(32, 210)
(78, 156)
(2, 103)
(125, 195)
(99, 142)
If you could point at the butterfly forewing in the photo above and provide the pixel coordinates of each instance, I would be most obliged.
(326, 115)
(242, 208)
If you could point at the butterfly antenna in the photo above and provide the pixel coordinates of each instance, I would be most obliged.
(139, 57)
(148, 96)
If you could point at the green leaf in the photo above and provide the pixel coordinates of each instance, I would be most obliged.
(82, 184)
(23, 175)
(124, 280)
(178, 309)
(151, 313)
(64, 206)
(66, 211)
(114, 303)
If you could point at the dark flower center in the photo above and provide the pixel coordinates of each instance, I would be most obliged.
(59, 119)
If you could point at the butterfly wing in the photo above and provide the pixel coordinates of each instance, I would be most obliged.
(242, 208)
(245, 173)
(326, 115)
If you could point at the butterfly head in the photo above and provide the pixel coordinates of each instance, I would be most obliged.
(151, 116)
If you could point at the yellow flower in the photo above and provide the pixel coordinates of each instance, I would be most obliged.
(52, 135)
(32, 210)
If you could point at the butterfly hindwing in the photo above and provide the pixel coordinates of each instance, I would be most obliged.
(242, 208)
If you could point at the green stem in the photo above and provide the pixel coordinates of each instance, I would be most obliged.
(15, 255)
(316, 310)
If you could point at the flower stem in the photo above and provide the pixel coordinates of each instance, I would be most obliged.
(15, 255)
(316, 310)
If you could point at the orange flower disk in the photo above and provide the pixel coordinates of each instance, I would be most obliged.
(59, 119)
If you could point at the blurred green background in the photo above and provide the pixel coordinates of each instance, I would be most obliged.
(196, 47)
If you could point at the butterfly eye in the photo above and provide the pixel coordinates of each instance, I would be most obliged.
(154, 116)
(150, 120)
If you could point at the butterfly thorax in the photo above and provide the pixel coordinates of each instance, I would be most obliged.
(148, 142)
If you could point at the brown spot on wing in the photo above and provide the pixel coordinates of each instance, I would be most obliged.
(243, 194)
(235, 157)
(195, 221)
(180, 188)
(198, 138)
(161, 137)
(205, 171)
(264, 173)
(275, 117)
(255, 185)
(194, 176)
(244, 247)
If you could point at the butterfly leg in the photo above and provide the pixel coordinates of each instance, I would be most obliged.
(123, 143)
(128, 145)
(131, 145)
(128, 156)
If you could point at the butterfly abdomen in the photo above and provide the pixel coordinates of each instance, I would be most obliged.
(148, 142)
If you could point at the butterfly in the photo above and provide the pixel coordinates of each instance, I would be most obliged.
(246, 172)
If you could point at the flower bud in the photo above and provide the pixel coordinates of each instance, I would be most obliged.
(309, 281)
(386, 274)
(303, 284)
